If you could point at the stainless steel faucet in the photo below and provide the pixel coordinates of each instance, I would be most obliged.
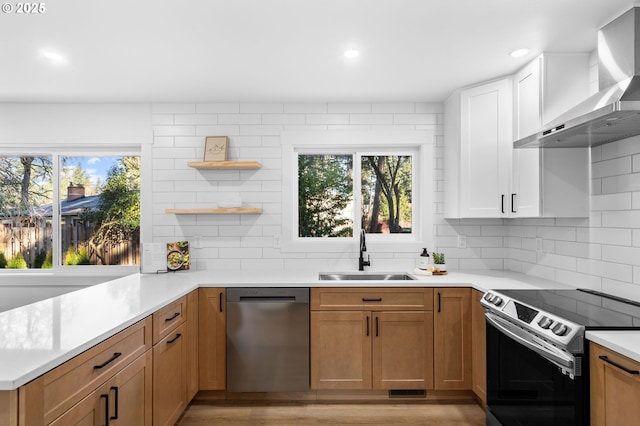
(363, 247)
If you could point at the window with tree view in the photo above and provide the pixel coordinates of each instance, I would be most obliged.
(91, 218)
(333, 187)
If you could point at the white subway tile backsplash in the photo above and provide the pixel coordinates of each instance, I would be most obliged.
(349, 108)
(218, 108)
(621, 148)
(272, 129)
(579, 252)
(261, 108)
(306, 108)
(283, 118)
(359, 119)
(181, 119)
(622, 183)
(613, 167)
(173, 108)
(217, 130)
(429, 108)
(618, 201)
(616, 236)
(239, 119)
(415, 119)
(621, 219)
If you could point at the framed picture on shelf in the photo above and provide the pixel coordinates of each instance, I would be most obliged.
(215, 148)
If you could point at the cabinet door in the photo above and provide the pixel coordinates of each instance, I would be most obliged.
(212, 339)
(341, 349)
(527, 99)
(479, 348)
(452, 338)
(615, 388)
(485, 149)
(402, 350)
(124, 400)
(170, 377)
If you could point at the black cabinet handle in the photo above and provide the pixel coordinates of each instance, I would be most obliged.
(367, 326)
(115, 389)
(107, 362)
(174, 339)
(221, 296)
(176, 315)
(615, 364)
(439, 302)
(377, 326)
(106, 408)
(502, 203)
(513, 196)
(379, 299)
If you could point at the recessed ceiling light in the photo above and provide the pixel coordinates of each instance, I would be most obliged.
(53, 57)
(518, 53)
(351, 53)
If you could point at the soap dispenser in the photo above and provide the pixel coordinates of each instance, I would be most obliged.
(423, 260)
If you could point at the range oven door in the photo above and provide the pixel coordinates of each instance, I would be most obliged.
(525, 386)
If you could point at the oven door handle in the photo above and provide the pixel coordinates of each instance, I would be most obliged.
(564, 361)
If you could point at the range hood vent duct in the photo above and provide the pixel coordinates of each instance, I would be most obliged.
(614, 112)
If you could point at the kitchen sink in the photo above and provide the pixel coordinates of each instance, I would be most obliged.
(355, 276)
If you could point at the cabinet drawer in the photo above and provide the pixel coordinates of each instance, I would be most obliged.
(58, 390)
(168, 318)
(351, 298)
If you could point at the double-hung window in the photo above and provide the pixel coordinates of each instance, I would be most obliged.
(337, 184)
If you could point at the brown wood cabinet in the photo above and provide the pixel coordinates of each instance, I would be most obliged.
(125, 399)
(212, 340)
(171, 360)
(452, 338)
(615, 387)
(478, 348)
(385, 348)
(70, 389)
(170, 377)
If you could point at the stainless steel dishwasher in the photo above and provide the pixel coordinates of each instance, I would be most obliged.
(267, 339)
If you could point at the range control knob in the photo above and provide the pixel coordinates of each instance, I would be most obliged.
(545, 322)
(560, 329)
(488, 297)
(497, 300)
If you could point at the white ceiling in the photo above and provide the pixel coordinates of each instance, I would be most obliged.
(281, 50)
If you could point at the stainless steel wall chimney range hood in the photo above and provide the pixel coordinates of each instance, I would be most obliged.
(614, 112)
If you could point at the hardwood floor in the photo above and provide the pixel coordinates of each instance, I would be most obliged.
(271, 414)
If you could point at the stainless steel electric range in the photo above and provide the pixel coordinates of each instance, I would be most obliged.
(537, 356)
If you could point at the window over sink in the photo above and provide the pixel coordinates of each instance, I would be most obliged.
(337, 183)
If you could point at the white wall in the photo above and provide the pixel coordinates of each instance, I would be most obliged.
(601, 252)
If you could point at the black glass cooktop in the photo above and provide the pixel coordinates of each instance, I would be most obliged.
(591, 309)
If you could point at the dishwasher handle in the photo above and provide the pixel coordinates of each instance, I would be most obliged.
(292, 295)
(267, 298)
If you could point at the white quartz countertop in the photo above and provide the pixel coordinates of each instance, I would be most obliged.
(626, 343)
(38, 337)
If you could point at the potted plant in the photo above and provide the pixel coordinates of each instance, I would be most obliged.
(438, 262)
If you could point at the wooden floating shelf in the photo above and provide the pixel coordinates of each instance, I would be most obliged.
(230, 165)
(237, 210)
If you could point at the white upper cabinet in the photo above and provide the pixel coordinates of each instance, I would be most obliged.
(545, 88)
(542, 90)
(484, 175)
(478, 146)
